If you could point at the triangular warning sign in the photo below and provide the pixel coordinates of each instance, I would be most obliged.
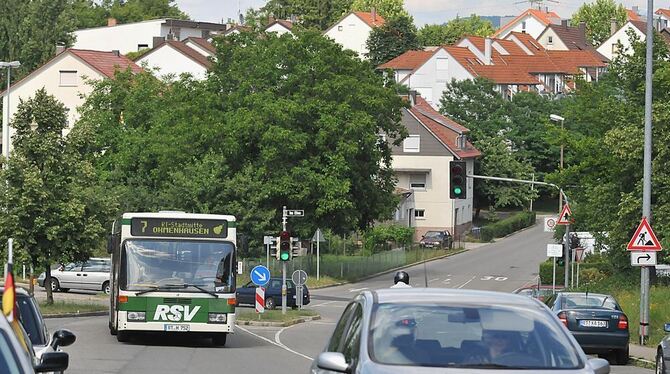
(644, 238)
(566, 216)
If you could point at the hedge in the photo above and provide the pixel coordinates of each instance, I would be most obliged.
(507, 226)
(547, 266)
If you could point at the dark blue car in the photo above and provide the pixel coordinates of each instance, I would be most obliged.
(247, 294)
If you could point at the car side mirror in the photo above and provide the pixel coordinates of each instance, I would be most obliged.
(333, 361)
(53, 361)
(63, 338)
(599, 365)
(666, 327)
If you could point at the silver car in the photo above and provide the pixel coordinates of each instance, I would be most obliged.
(427, 330)
(90, 275)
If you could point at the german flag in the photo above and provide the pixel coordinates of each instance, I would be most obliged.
(9, 308)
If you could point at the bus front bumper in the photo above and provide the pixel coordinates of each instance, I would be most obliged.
(125, 325)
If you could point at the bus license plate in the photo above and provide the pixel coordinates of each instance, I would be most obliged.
(178, 328)
(593, 323)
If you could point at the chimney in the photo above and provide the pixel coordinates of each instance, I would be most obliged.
(270, 20)
(613, 27)
(488, 51)
(60, 49)
(111, 21)
(116, 53)
(412, 97)
(374, 14)
(582, 28)
(564, 22)
(157, 40)
(636, 9)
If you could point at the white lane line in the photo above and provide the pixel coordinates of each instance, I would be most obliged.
(448, 280)
(433, 280)
(274, 343)
(466, 283)
(325, 303)
(357, 289)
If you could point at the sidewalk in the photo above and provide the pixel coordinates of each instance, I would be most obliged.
(645, 353)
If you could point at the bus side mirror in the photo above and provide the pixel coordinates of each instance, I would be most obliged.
(112, 243)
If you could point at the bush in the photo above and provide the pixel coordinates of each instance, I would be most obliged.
(378, 238)
(591, 269)
(507, 226)
(590, 276)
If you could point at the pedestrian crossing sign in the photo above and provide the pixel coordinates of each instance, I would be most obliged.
(644, 238)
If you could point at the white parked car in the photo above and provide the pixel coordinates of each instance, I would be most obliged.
(89, 275)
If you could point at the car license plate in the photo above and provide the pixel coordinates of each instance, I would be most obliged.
(178, 328)
(592, 323)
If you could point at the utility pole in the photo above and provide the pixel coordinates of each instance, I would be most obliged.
(283, 267)
(5, 124)
(646, 189)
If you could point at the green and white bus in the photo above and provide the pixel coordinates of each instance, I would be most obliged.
(173, 272)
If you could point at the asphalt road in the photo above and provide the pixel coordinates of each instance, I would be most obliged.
(506, 265)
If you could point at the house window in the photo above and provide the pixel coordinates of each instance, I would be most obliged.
(442, 63)
(68, 78)
(523, 26)
(420, 214)
(615, 48)
(142, 46)
(411, 144)
(550, 40)
(340, 28)
(417, 181)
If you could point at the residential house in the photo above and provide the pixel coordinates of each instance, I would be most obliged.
(634, 14)
(66, 78)
(280, 27)
(236, 30)
(565, 38)
(170, 58)
(353, 30)
(620, 40)
(130, 37)
(663, 17)
(421, 164)
(532, 22)
(201, 45)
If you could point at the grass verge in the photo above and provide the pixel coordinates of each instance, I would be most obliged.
(64, 307)
(324, 281)
(274, 315)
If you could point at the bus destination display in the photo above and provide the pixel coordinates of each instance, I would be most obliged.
(174, 227)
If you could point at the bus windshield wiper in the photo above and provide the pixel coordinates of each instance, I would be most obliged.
(156, 288)
(197, 286)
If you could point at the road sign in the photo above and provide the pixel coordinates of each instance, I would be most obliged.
(549, 224)
(299, 277)
(260, 275)
(554, 250)
(240, 267)
(295, 213)
(318, 236)
(644, 238)
(565, 218)
(579, 254)
(643, 258)
(260, 300)
(267, 240)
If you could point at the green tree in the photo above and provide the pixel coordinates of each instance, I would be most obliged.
(126, 11)
(308, 13)
(389, 9)
(598, 18)
(53, 210)
(454, 30)
(392, 39)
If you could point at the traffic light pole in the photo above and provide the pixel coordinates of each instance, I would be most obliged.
(283, 267)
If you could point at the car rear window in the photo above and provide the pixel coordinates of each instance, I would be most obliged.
(469, 337)
(590, 301)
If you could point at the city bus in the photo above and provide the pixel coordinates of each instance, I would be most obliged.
(173, 273)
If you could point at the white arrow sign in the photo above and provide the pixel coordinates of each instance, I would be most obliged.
(261, 276)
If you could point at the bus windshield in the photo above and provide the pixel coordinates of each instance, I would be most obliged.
(191, 265)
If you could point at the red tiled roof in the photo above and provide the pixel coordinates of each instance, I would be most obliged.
(444, 128)
(202, 42)
(632, 16)
(528, 41)
(367, 18)
(508, 45)
(574, 60)
(409, 60)
(500, 74)
(106, 63)
(664, 12)
(286, 24)
(543, 17)
(183, 49)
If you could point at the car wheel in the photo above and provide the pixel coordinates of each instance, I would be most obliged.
(106, 288)
(220, 339)
(54, 285)
(621, 356)
(122, 336)
(660, 363)
(270, 303)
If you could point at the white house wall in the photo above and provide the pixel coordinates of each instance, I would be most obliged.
(278, 28)
(49, 79)
(533, 27)
(354, 34)
(171, 62)
(556, 45)
(124, 38)
(620, 36)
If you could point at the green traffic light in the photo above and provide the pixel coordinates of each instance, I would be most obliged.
(284, 256)
(457, 190)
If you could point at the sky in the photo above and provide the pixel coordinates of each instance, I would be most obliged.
(424, 11)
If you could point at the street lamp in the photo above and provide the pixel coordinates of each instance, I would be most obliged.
(5, 124)
(557, 118)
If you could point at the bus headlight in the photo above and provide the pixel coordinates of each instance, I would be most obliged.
(218, 317)
(137, 316)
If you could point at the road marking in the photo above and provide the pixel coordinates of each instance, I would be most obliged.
(448, 280)
(464, 284)
(433, 280)
(274, 343)
(326, 303)
(357, 289)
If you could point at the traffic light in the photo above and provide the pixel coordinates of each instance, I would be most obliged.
(295, 247)
(274, 248)
(285, 246)
(458, 181)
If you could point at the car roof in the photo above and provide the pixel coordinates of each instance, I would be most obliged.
(19, 291)
(418, 295)
(584, 294)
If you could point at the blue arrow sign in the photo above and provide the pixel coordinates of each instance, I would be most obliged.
(260, 275)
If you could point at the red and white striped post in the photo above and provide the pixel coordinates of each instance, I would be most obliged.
(260, 300)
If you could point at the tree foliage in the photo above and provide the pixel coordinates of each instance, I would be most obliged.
(54, 210)
(308, 13)
(454, 30)
(389, 9)
(598, 18)
(392, 39)
(289, 120)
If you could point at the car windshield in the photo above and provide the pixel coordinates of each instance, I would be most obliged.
(149, 264)
(469, 337)
(8, 360)
(591, 301)
(433, 234)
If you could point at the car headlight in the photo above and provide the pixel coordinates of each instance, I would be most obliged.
(218, 317)
(137, 316)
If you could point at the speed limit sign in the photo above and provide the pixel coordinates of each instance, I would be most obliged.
(549, 224)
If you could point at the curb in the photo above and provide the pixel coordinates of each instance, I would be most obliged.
(72, 315)
(641, 362)
(391, 270)
(278, 324)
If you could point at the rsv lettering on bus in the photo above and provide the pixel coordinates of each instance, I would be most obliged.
(175, 313)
